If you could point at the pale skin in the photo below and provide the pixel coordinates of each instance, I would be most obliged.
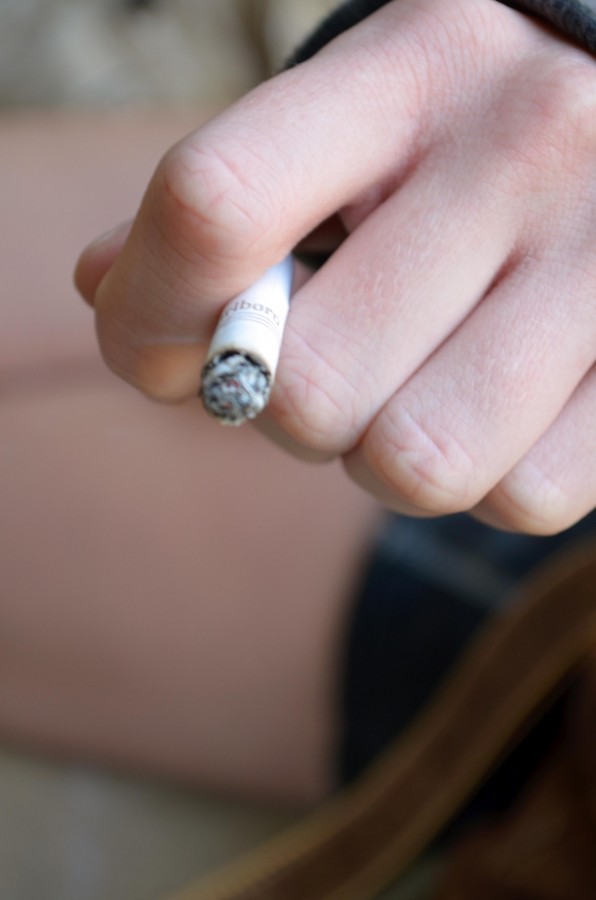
(446, 351)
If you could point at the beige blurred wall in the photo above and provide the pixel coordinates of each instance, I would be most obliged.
(169, 52)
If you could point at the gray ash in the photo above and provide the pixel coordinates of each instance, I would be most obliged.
(234, 387)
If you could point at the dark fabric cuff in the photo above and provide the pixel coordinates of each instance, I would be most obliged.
(572, 18)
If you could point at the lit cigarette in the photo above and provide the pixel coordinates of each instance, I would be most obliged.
(238, 375)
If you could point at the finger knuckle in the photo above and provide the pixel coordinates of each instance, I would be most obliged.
(312, 403)
(572, 82)
(558, 123)
(213, 199)
(428, 468)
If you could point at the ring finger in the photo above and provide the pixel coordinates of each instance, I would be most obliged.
(485, 398)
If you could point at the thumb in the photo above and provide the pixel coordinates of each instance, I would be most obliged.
(98, 258)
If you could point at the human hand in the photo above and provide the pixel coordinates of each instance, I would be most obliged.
(446, 350)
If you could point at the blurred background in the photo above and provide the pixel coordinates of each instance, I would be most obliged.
(174, 52)
(70, 830)
(81, 82)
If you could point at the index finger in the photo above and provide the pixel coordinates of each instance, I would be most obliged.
(234, 197)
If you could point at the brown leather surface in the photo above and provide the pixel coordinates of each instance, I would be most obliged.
(544, 848)
(369, 835)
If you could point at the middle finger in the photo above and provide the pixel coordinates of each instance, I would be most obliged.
(397, 287)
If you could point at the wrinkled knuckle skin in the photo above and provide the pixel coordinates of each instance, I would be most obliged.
(573, 91)
(432, 473)
(210, 204)
(561, 121)
(307, 411)
(544, 130)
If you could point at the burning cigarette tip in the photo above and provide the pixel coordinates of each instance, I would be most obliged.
(235, 388)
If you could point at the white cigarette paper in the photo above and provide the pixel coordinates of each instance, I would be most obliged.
(244, 351)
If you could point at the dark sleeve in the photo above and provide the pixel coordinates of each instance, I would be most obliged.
(573, 18)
